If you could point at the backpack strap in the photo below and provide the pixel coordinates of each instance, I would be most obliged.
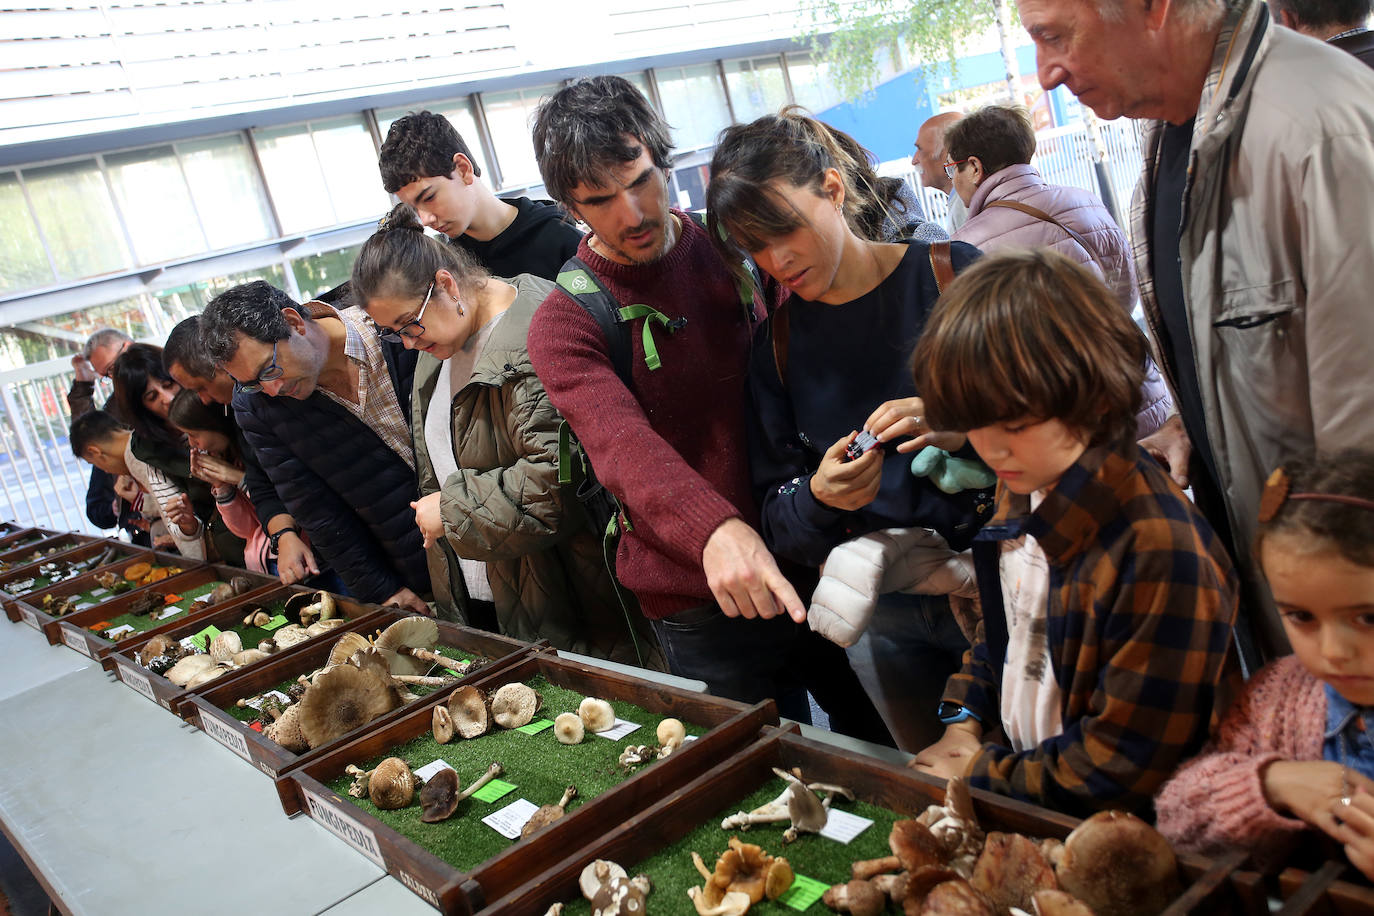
(577, 280)
(749, 285)
(1037, 213)
(941, 264)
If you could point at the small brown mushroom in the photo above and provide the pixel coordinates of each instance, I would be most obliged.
(619, 897)
(439, 796)
(514, 705)
(154, 647)
(1010, 871)
(392, 784)
(547, 814)
(442, 725)
(1058, 903)
(568, 728)
(1118, 865)
(597, 873)
(857, 897)
(597, 715)
(471, 717)
(956, 898)
(912, 845)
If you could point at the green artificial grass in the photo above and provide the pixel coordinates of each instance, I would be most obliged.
(144, 622)
(247, 714)
(817, 857)
(538, 765)
(71, 570)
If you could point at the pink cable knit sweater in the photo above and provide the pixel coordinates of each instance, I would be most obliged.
(1215, 802)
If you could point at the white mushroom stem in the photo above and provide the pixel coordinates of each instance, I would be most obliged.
(361, 778)
(420, 680)
(492, 772)
(434, 658)
(771, 813)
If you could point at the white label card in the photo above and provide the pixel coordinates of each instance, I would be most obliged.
(170, 610)
(345, 828)
(75, 640)
(118, 631)
(430, 770)
(841, 826)
(188, 642)
(511, 818)
(136, 680)
(226, 734)
(619, 730)
(99, 592)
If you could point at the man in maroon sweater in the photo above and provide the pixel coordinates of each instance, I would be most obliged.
(672, 446)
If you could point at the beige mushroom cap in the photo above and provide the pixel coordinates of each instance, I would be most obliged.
(441, 723)
(597, 873)
(671, 733)
(596, 714)
(188, 668)
(342, 699)
(286, 731)
(412, 632)
(514, 705)
(225, 646)
(568, 728)
(391, 785)
(468, 708)
(346, 647)
(249, 657)
(206, 676)
(321, 627)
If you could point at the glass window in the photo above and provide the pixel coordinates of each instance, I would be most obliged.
(227, 190)
(294, 178)
(72, 204)
(508, 120)
(322, 272)
(693, 104)
(811, 84)
(640, 81)
(349, 158)
(459, 114)
(23, 262)
(156, 204)
(756, 87)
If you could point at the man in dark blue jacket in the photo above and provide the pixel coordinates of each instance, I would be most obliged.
(325, 405)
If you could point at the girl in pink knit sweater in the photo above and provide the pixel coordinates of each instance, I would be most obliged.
(1296, 751)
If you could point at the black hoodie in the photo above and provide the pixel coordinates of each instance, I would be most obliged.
(538, 242)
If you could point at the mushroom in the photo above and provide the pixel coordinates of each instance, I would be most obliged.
(732, 904)
(514, 705)
(257, 617)
(568, 728)
(1010, 870)
(222, 592)
(248, 657)
(858, 898)
(1058, 903)
(225, 646)
(189, 667)
(240, 585)
(406, 645)
(346, 647)
(344, 698)
(955, 825)
(204, 677)
(305, 607)
(597, 873)
(439, 796)
(391, 785)
(154, 647)
(547, 814)
(912, 845)
(467, 707)
(596, 714)
(909, 889)
(286, 729)
(442, 724)
(619, 897)
(288, 636)
(671, 733)
(634, 755)
(956, 898)
(1118, 865)
(321, 627)
(744, 868)
(797, 804)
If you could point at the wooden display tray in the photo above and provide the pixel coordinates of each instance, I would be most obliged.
(75, 547)
(14, 535)
(121, 658)
(733, 725)
(47, 540)
(1323, 892)
(904, 791)
(71, 629)
(28, 607)
(204, 705)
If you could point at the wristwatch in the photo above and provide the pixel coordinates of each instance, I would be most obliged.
(274, 538)
(949, 713)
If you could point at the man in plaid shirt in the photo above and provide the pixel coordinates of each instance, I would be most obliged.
(1104, 653)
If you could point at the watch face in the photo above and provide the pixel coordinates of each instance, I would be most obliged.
(951, 712)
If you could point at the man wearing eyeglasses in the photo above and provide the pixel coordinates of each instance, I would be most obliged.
(324, 404)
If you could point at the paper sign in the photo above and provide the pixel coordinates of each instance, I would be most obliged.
(226, 735)
(170, 610)
(619, 730)
(842, 826)
(432, 769)
(119, 630)
(275, 622)
(689, 738)
(29, 617)
(535, 727)
(206, 636)
(259, 702)
(493, 790)
(99, 592)
(803, 893)
(136, 680)
(511, 818)
(345, 828)
(75, 640)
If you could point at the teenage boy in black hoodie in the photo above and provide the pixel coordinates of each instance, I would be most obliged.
(425, 163)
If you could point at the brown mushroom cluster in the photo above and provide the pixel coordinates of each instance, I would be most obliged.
(744, 875)
(470, 714)
(1113, 864)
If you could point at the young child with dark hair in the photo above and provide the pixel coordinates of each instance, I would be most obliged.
(1296, 752)
(1107, 600)
(427, 164)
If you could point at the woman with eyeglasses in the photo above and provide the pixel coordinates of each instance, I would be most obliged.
(159, 457)
(509, 547)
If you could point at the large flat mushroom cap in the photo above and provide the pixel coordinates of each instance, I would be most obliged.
(412, 632)
(189, 667)
(468, 709)
(342, 699)
(1011, 869)
(439, 796)
(1119, 865)
(514, 705)
(348, 645)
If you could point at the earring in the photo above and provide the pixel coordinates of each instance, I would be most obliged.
(459, 305)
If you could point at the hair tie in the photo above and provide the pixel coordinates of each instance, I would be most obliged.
(1276, 493)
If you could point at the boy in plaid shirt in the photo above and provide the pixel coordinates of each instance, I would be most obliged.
(1104, 652)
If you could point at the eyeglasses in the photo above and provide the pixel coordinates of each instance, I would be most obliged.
(950, 167)
(398, 335)
(270, 374)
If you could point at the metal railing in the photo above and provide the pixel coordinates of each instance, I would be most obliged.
(41, 481)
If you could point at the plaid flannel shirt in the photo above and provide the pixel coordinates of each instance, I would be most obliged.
(1142, 602)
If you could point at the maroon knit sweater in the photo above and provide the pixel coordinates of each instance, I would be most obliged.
(673, 452)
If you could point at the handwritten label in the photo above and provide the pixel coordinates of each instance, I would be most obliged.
(275, 623)
(136, 680)
(432, 769)
(535, 727)
(511, 818)
(842, 826)
(75, 640)
(206, 636)
(803, 893)
(494, 790)
(29, 617)
(345, 828)
(619, 730)
(119, 630)
(226, 734)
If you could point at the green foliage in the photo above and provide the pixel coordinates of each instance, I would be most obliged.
(930, 29)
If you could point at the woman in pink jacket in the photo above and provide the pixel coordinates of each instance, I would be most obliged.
(1011, 206)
